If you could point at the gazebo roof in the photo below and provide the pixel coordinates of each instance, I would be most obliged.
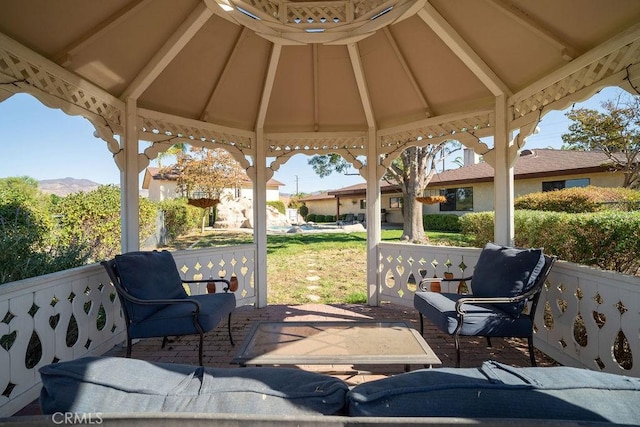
(313, 77)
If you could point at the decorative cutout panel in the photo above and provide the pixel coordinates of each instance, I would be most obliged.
(30, 75)
(389, 140)
(220, 263)
(156, 129)
(310, 145)
(601, 69)
(63, 318)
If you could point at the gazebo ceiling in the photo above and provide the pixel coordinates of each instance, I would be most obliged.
(296, 69)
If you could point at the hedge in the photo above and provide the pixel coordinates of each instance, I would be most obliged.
(180, 217)
(581, 199)
(442, 222)
(320, 218)
(609, 240)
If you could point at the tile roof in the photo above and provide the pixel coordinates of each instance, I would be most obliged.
(531, 164)
(318, 196)
(385, 187)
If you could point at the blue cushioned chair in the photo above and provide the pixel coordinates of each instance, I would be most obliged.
(503, 281)
(155, 303)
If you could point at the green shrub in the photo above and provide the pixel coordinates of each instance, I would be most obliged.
(22, 255)
(609, 240)
(94, 218)
(29, 245)
(180, 217)
(441, 222)
(478, 227)
(304, 211)
(311, 218)
(279, 205)
(321, 218)
(581, 199)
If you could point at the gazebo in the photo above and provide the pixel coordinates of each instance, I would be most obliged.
(267, 79)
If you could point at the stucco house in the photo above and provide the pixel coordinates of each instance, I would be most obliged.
(470, 188)
(162, 185)
(352, 200)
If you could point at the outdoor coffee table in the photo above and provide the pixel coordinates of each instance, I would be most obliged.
(335, 343)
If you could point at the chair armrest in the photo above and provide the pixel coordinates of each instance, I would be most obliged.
(167, 301)
(494, 300)
(455, 279)
(225, 281)
(428, 280)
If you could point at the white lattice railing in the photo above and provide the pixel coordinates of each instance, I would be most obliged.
(586, 317)
(222, 262)
(37, 314)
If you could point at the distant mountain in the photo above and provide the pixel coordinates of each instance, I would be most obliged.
(66, 186)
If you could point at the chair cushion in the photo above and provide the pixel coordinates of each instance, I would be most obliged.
(495, 390)
(177, 319)
(503, 271)
(112, 384)
(480, 320)
(149, 275)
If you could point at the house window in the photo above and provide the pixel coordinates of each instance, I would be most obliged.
(458, 199)
(395, 202)
(363, 204)
(569, 183)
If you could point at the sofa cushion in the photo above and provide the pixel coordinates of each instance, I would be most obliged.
(503, 271)
(149, 275)
(112, 384)
(495, 390)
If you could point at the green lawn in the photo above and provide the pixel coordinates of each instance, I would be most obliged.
(312, 267)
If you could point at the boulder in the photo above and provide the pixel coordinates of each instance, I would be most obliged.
(238, 213)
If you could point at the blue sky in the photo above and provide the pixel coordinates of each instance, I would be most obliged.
(45, 143)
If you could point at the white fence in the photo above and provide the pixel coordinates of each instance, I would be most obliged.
(586, 317)
(43, 314)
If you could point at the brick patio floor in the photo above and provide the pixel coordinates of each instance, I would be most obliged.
(219, 352)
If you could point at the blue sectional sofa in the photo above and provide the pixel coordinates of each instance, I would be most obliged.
(140, 390)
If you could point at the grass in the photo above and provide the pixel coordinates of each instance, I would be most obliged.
(312, 267)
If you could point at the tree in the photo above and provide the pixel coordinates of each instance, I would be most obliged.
(325, 165)
(412, 171)
(174, 150)
(206, 174)
(614, 131)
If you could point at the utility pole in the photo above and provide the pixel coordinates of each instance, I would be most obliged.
(297, 192)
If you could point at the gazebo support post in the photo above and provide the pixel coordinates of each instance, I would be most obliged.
(260, 220)
(503, 180)
(129, 194)
(373, 219)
